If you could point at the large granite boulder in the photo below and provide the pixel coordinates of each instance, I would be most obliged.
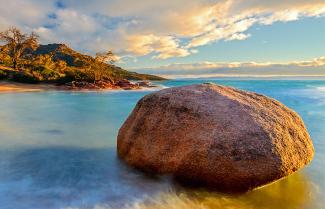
(220, 137)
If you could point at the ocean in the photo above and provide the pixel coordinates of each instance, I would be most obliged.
(58, 151)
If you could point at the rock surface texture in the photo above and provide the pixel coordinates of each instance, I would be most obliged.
(220, 137)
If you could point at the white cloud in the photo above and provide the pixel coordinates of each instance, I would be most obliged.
(318, 62)
(314, 67)
(26, 14)
(161, 29)
(238, 36)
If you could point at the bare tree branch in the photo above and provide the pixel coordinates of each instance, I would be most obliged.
(17, 42)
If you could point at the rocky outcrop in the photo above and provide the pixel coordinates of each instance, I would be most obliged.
(127, 85)
(90, 86)
(217, 136)
(108, 84)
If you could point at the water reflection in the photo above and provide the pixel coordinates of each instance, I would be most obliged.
(290, 193)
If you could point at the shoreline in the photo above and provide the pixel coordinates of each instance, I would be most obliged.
(15, 87)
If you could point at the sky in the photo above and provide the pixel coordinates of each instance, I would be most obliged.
(182, 38)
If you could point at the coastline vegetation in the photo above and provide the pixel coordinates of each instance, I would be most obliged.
(23, 59)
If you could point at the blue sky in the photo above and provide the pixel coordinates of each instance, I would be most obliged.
(281, 42)
(200, 35)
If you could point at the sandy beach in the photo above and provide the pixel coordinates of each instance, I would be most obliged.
(8, 87)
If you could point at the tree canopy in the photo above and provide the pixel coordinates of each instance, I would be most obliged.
(17, 43)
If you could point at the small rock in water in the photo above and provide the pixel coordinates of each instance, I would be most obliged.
(216, 136)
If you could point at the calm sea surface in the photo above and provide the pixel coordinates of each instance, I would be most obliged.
(57, 151)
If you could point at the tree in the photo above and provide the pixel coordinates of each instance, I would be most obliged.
(101, 60)
(106, 57)
(98, 67)
(4, 58)
(44, 60)
(61, 66)
(17, 43)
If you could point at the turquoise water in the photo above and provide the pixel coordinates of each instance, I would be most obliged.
(57, 150)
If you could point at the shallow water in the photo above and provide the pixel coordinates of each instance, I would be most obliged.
(57, 151)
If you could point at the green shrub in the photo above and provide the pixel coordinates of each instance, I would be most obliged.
(45, 74)
(38, 68)
(75, 75)
(3, 75)
(79, 63)
(49, 74)
(80, 75)
(65, 79)
(24, 77)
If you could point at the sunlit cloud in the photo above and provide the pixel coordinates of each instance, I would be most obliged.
(160, 29)
(163, 46)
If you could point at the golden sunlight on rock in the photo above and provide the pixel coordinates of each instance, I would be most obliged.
(289, 193)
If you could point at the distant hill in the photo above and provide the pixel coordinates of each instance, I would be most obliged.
(23, 59)
(59, 64)
(78, 60)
